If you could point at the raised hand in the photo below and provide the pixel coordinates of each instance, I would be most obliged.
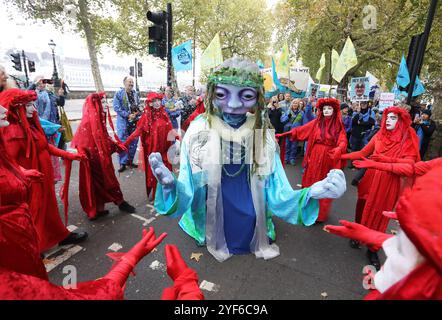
(163, 174)
(282, 135)
(335, 153)
(148, 242)
(33, 175)
(175, 262)
(332, 187)
(371, 238)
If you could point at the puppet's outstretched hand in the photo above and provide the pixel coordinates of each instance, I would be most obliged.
(161, 172)
(332, 187)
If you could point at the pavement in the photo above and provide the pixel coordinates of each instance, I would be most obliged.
(313, 264)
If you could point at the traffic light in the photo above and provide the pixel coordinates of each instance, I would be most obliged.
(16, 59)
(158, 34)
(132, 71)
(31, 66)
(140, 69)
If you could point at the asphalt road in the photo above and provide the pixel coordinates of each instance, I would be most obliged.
(312, 265)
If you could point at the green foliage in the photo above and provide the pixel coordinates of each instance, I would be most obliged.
(319, 26)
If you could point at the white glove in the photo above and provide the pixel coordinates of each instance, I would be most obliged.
(332, 187)
(161, 172)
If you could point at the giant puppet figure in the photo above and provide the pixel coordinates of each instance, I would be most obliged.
(231, 179)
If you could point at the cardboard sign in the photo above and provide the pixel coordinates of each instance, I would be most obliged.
(386, 100)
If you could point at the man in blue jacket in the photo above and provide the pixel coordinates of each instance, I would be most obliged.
(126, 105)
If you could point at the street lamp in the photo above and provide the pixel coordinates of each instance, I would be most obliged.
(55, 78)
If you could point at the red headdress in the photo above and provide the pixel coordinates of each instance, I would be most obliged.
(151, 114)
(330, 127)
(92, 133)
(401, 138)
(423, 224)
(15, 100)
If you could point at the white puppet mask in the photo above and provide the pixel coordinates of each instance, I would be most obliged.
(402, 258)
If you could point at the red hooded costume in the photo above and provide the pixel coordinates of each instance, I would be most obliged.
(15, 285)
(422, 226)
(326, 142)
(154, 128)
(19, 248)
(27, 145)
(379, 190)
(98, 184)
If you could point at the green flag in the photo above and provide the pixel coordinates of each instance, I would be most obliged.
(334, 60)
(212, 56)
(321, 68)
(346, 61)
(282, 64)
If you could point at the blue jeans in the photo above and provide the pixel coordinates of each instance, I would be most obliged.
(291, 149)
(127, 157)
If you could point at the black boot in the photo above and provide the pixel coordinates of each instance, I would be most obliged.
(126, 207)
(74, 238)
(122, 168)
(354, 244)
(374, 259)
(133, 166)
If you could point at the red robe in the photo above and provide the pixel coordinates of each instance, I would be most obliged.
(19, 248)
(154, 128)
(98, 184)
(323, 135)
(23, 135)
(379, 190)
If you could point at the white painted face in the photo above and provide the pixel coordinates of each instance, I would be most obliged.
(327, 111)
(3, 116)
(156, 103)
(30, 110)
(402, 258)
(392, 119)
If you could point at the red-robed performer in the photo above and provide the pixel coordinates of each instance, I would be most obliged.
(27, 145)
(19, 249)
(98, 184)
(413, 269)
(327, 141)
(154, 127)
(16, 285)
(379, 190)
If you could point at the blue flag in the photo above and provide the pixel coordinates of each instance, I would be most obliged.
(418, 87)
(403, 77)
(182, 56)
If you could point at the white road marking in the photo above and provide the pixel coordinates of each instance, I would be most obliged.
(53, 263)
(209, 286)
(146, 221)
(115, 247)
(72, 228)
